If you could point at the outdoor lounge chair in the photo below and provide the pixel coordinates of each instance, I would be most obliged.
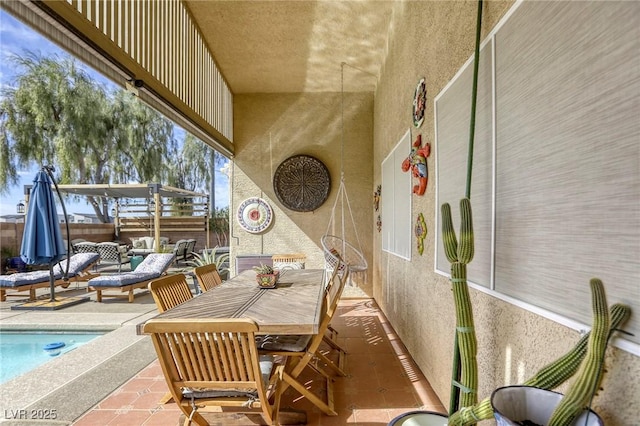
(189, 249)
(113, 254)
(153, 266)
(180, 250)
(85, 247)
(79, 265)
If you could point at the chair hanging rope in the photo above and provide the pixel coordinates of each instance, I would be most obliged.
(336, 248)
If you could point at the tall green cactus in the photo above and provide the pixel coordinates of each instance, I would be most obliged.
(580, 391)
(460, 255)
(550, 376)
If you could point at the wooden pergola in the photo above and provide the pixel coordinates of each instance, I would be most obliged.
(153, 192)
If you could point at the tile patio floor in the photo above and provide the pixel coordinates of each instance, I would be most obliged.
(383, 381)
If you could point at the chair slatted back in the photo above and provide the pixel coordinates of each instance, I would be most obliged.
(170, 291)
(207, 276)
(213, 358)
(288, 261)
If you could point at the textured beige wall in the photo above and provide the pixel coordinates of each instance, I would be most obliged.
(433, 40)
(268, 129)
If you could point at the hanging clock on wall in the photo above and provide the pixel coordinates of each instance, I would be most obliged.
(302, 183)
(419, 103)
(254, 215)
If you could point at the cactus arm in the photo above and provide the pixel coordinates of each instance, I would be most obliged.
(590, 375)
(550, 376)
(465, 248)
(448, 234)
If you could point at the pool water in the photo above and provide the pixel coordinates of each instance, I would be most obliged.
(22, 352)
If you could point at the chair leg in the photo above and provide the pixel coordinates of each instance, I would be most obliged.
(166, 398)
(338, 369)
(326, 408)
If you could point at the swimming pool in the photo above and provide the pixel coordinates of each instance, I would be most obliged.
(21, 352)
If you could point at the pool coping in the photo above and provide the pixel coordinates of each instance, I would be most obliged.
(65, 388)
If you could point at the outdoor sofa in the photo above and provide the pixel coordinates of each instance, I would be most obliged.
(79, 266)
(142, 246)
(153, 266)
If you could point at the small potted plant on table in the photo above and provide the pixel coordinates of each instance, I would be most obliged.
(266, 276)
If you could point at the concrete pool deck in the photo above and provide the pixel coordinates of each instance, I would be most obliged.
(61, 390)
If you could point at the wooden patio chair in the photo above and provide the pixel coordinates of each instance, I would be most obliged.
(302, 349)
(169, 291)
(215, 363)
(288, 261)
(207, 276)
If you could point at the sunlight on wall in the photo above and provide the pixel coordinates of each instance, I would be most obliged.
(507, 365)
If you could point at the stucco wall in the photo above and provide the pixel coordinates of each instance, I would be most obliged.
(433, 40)
(270, 128)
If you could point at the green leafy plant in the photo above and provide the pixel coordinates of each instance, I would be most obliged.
(210, 257)
(263, 269)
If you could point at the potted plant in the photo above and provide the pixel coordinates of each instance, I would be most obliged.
(266, 276)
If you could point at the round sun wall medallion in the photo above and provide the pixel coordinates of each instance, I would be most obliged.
(254, 215)
(302, 183)
(419, 103)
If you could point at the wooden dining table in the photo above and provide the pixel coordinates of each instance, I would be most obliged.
(293, 307)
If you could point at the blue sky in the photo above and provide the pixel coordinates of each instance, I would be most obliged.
(16, 38)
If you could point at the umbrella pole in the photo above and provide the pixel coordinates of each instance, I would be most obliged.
(52, 285)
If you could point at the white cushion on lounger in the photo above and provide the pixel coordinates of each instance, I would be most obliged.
(121, 280)
(24, 278)
(78, 263)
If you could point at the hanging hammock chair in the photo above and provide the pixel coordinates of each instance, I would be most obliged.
(336, 249)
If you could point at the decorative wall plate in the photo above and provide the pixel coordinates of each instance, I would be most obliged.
(302, 183)
(419, 103)
(254, 215)
(421, 232)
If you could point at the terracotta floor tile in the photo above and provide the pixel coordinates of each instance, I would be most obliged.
(119, 400)
(130, 418)
(96, 417)
(163, 418)
(149, 399)
(366, 399)
(138, 384)
(401, 398)
(371, 415)
(382, 382)
(340, 420)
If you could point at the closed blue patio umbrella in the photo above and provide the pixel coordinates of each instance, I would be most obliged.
(42, 241)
